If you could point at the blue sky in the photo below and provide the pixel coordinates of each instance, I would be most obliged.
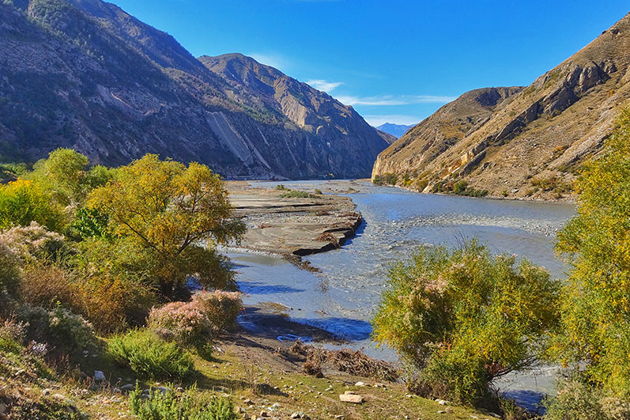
(393, 60)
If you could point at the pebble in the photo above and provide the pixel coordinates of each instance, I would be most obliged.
(360, 384)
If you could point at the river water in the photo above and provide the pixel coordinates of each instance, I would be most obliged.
(343, 297)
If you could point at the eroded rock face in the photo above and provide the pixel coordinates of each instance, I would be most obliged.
(507, 140)
(85, 74)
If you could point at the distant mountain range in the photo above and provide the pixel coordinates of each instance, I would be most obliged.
(396, 130)
(85, 74)
(519, 142)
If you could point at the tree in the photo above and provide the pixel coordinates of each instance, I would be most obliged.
(176, 214)
(596, 301)
(463, 318)
(63, 175)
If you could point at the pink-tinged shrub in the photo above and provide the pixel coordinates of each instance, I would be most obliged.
(180, 321)
(220, 307)
(191, 322)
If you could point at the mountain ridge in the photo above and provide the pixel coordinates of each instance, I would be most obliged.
(85, 74)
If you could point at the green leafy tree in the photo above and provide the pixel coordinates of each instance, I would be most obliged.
(596, 301)
(63, 175)
(175, 214)
(463, 318)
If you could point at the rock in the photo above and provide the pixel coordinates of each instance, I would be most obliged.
(99, 376)
(162, 389)
(441, 402)
(46, 391)
(351, 398)
(127, 387)
(264, 414)
(360, 384)
(3, 408)
(296, 415)
(248, 402)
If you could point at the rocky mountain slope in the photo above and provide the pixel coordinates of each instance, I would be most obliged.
(85, 74)
(396, 130)
(519, 142)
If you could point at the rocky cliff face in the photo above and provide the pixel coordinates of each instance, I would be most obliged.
(517, 142)
(85, 74)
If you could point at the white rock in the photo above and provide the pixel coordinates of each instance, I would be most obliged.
(351, 398)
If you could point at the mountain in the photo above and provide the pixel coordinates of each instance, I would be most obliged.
(396, 130)
(519, 142)
(84, 74)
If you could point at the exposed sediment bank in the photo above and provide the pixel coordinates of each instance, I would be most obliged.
(293, 226)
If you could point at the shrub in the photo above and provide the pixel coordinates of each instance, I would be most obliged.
(576, 400)
(65, 332)
(48, 285)
(9, 272)
(182, 320)
(149, 356)
(113, 304)
(89, 223)
(462, 318)
(298, 194)
(158, 405)
(35, 242)
(191, 322)
(220, 307)
(22, 202)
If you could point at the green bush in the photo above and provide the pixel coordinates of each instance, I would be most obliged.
(149, 356)
(22, 202)
(158, 405)
(577, 400)
(463, 318)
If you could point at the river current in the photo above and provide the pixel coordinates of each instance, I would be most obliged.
(343, 297)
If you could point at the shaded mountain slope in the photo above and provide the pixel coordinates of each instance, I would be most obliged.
(530, 143)
(85, 74)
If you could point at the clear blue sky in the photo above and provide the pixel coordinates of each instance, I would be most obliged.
(393, 60)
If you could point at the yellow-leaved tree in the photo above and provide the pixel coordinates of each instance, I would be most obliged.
(595, 310)
(175, 215)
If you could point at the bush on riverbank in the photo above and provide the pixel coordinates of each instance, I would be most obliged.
(463, 318)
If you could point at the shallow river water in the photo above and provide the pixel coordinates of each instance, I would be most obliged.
(342, 298)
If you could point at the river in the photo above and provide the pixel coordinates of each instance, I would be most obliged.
(343, 297)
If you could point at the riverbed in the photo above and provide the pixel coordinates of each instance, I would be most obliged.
(344, 295)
